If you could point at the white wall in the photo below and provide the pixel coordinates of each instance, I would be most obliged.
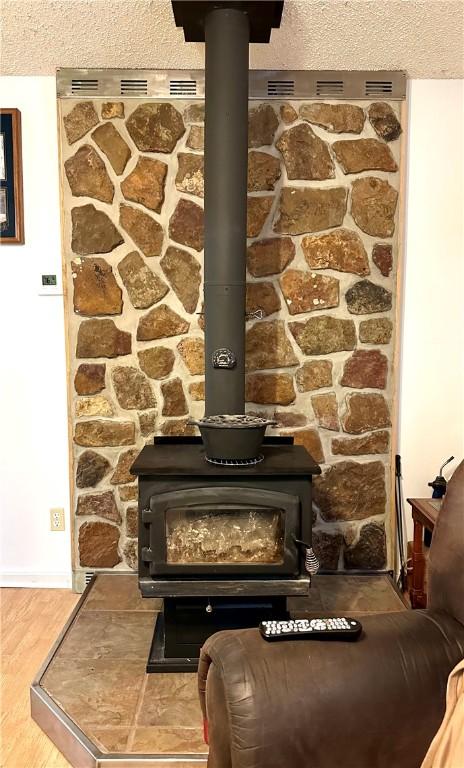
(431, 424)
(33, 443)
(33, 419)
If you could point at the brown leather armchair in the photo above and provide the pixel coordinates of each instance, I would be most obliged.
(374, 703)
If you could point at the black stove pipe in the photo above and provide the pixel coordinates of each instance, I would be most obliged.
(227, 36)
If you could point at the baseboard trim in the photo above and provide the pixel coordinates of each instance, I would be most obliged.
(36, 580)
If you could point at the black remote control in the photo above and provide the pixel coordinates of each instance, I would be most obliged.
(338, 628)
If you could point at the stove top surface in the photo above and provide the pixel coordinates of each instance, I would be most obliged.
(190, 459)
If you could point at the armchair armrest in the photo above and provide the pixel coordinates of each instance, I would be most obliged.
(374, 703)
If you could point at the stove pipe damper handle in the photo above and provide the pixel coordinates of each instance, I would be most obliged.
(227, 37)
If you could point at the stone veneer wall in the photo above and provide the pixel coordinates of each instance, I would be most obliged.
(322, 257)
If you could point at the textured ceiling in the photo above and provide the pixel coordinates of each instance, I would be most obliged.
(424, 37)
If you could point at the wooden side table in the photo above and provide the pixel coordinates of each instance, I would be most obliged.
(424, 514)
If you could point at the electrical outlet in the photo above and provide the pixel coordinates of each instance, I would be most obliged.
(57, 519)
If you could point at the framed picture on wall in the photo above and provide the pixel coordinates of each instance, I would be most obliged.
(11, 179)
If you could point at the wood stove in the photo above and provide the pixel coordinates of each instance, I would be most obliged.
(223, 545)
(224, 534)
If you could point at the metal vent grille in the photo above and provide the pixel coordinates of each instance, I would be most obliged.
(329, 88)
(183, 88)
(84, 86)
(378, 88)
(134, 88)
(280, 87)
(264, 84)
(88, 577)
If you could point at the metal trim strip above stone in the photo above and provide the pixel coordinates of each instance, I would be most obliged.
(264, 84)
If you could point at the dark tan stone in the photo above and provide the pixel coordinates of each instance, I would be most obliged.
(257, 212)
(365, 297)
(113, 145)
(174, 402)
(263, 171)
(85, 688)
(156, 362)
(128, 492)
(268, 346)
(96, 291)
(309, 439)
(101, 504)
(365, 412)
(327, 547)
(336, 118)
(93, 231)
(190, 174)
(132, 521)
(131, 554)
(306, 209)
(155, 127)
(146, 233)
(365, 368)
(79, 121)
(87, 175)
(307, 292)
(351, 491)
(382, 257)
(111, 109)
(195, 113)
(314, 374)
(145, 184)
(196, 138)
(375, 331)
(262, 125)
(101, 338)
(192, 352)
(91, 468)
(288, 114)
(358, 155)
(373, 206)
(342, 250)
(177, 427)
(306, 156)
(90, 378)
(121, 474)
(147, 423)
(271, 256)
(183, 272)
(170, 739)
(262, 296)
(186, 224)
(132, 388)
(197, 390)
(98, 433)
(173, 699)
(325, 409)
(376, 442)
(98, 545)
(160, 323)
(384, 121)
(324, 335)
(275, 388)
(289, 419)
(370, 552)
(143, 286)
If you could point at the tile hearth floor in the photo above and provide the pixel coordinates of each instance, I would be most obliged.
(97, 675)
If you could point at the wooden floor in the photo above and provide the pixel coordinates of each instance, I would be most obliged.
(30, 623)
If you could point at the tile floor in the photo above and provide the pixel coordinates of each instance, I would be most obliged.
(97, 676)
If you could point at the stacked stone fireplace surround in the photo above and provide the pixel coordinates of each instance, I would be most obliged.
(322, 259)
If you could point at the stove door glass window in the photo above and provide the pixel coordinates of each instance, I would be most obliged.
(225, 534)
